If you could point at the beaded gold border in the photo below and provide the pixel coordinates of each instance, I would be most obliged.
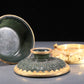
(65, 46)
(40, 73)
(29, 27)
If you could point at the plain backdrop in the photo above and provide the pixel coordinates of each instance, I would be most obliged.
(48, 23)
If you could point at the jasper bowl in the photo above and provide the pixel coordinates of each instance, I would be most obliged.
(16, 39)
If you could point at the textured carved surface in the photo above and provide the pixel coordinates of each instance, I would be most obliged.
(41, 65)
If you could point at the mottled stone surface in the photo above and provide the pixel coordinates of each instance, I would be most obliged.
(41, 64)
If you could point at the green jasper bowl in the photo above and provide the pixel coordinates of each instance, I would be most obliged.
(16, 39)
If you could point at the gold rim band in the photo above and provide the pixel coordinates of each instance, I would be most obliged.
(70, 53)
(41, 52)
(66, 46)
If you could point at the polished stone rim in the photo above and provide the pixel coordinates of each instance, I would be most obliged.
(48, 50)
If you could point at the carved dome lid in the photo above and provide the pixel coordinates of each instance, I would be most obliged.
(40, 65)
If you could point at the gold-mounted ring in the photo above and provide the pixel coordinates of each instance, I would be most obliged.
(41, 52)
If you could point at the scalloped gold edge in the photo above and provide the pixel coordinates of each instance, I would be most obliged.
(42, 52)
(31, 32)
(42, 74)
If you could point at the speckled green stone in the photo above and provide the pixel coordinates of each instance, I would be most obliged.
(35, 64)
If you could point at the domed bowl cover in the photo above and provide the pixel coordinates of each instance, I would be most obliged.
(41, 64)
(16, 39)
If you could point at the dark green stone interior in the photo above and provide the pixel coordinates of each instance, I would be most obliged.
(25, 38)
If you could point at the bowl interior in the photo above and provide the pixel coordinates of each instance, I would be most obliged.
(16, 38)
